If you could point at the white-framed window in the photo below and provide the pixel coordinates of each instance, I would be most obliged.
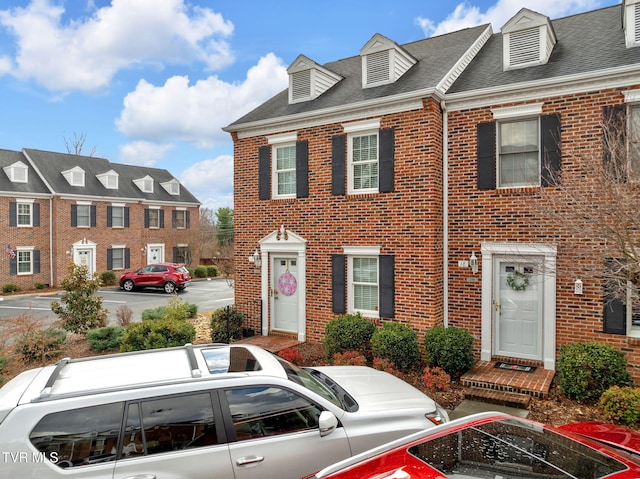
(363, 285)
(75, 176)
(154, 218)
(144, 184)
(284, 171)
(18, 172)
(24, 257)
(118, 257)
(519, 153)
(83, 216)
(117, 216)
(109, 179)
(363, 163)
(180, 218)
(172, 187)
(24, 213)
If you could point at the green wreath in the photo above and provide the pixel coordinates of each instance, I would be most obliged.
(518, 281)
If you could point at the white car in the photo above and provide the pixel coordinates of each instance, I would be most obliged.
(232, 411)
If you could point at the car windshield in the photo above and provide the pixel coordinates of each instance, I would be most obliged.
(512, 448)
(302, 377)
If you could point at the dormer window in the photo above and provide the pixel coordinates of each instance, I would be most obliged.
(308, 80)
(109, 179)
(528, 40)
(383, 61)
(172, 187)
(18, 172)
(631, 18)
(75, 176)
(145, 184)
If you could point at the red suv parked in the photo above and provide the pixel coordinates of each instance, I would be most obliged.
(168, 276)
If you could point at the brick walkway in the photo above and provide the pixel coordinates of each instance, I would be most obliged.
(485, 375)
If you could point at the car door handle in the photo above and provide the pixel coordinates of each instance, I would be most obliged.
(245, 461)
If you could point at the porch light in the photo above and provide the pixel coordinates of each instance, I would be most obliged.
(255, 258)
(473, 263)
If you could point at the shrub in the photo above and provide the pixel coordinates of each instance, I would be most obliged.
(180, 310)
(157, 333)
(41, 344)
(398, 343)
(349, 332)
(226, 325)
(436, 379)
(384, 364)
(621, 404)
(213, 271)
(586, 370)
(40, 285)
(450, 349)
(3, 363)
(124, 314)
(105, 339)
(108, 278)
(10, 288)
(349, 358)
(292, 355)
(200, 272)
(156, 313)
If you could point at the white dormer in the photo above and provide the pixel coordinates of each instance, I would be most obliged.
(383, 61)
(74, 176)
(308, 80)
(528, 39)
(109, 179)
(145, 184)
(631, 22)
(172, 186)
(17, 172)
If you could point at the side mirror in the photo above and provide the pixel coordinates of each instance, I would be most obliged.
(327, 422)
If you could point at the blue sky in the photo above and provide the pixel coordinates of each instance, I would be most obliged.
(152, 82)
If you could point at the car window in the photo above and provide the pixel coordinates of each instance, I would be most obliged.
(513, 449)
(182, 269)
(79, 436)
(160, 269)
(269, 411)
(169, 424)
(146, 269)
(230, 360)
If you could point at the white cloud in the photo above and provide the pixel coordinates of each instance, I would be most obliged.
(143, 153)
(195, 114)
(85, 54)
(467, 15)
(5, 65)
(211, 181)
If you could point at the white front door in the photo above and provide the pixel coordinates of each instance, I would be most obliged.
(84, 258)
(518, 307)
(285, 295)
(155, 254)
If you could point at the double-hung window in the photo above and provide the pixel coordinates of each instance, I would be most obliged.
(117, 216)
(180, 219)
(519, 153)
(25, 261)
(284, 171)
(154, 218)
(24, 213)
(118, 257)
(363, 162)
(83, 216)
(363, 284)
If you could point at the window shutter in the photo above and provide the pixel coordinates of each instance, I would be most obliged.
(13, 213)
(187, 219)
(175, 254)
(387, 286)
(264, 172)
(338, 153)
(146, 217)
(127, 258)
(126, 217)
(13, 266)
(551, 155)
(302, 169)
(36, 214)
(161, 218)
(93, 216)
(387, 152)
(614, 316)
(74, 215)
(109, 216)
(339, 283)
(614, 137)
(36, 261)
(173, 218)
(109, 259)
(486, 161)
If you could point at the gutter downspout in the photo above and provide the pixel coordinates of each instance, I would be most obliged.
(445, 212)
(51, 255)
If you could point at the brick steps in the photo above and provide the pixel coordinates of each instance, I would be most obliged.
(502, 398)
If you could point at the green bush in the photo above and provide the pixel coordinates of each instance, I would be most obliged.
(108, 278)
(157, 333)
(349, 332)
(40, 286)
(586, 370)
(213, 271)
(450, 349)
(226, 325)
(200, 272)
(621, 404)
(3, 362)
(10, 288)
(180, 310)
(105, 339)
(156, 313)
(41, 345)
(398, 343)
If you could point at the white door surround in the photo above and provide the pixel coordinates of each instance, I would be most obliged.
(545, 256)
(84, 253)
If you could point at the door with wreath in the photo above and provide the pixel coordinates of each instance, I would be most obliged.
(284, 294)
(518, 307)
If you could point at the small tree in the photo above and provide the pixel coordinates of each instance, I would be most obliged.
(79, 309)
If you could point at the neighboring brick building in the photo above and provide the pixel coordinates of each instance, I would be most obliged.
(375, 182)
(56, 208)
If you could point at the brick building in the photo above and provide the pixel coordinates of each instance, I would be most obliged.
(56, 208)
(400, 183)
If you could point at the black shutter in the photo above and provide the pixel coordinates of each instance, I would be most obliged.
(13, 266)
(109, 216)
(302, 169)
(614, 315)
(338, 154)
(175, 254)
(264, 172)
(36, 214)
(146, 217)
(551, 155)
(173, 218)
(486, 161)
(126, 216)
(74, 215)
(339, 283)
(13, 213)
(36, 261)
(614, 138)
(127, 258)
(93, 216)
(187, 219)
(387, 152)
(387, 286)
(161, 218)
(110, 259)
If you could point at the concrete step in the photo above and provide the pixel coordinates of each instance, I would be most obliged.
(502, 398)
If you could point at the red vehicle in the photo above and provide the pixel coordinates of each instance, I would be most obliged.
(168, 276)
(615, 436)
(488, 445)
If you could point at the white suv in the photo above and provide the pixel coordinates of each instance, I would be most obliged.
(231, 411)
